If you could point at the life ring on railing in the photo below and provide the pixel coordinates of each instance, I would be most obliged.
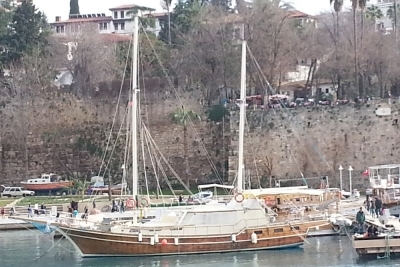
(144, 201)
(130, 203)
(389, 183)
(239, 197)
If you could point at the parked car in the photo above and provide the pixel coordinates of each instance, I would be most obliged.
(17, 192)
(368, 192)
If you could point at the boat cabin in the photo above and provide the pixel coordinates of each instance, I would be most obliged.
(384, 182)
(44, 179)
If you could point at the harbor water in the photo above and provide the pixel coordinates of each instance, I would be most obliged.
(34, 249)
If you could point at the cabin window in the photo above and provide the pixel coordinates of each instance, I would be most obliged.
(278, 230)
(43, 181)
(296, 228)
(258, 232)
(278, 201)
(297, 199)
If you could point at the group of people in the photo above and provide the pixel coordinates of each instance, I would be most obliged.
(373, 206)
(35, 210)
(118, 206)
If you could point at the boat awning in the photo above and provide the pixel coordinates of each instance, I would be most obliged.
(205, 186)
(285, 191)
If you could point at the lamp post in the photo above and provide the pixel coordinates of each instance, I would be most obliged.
(350, 181)
(341, 178)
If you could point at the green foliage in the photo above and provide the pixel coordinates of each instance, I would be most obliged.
(145, 19)
(374, 13)
(27, 32)
(182, 116)
(74, 7)
(217, 113)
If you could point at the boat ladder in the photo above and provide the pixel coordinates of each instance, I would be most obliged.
(387, 248)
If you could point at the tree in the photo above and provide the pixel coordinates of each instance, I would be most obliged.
(27, 31)
(393, 16)
(337, 6)
(183, 117)
(355, 7)
(90, 58)
(269, 166)
(374, 13)
(74, 7)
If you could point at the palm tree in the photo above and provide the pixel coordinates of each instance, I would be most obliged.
(168, 7)
(362, 5)
(337, 6)
(183, 117)
(393, 16)
(374, 13)
(354, 4)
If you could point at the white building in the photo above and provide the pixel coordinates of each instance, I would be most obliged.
(385, 23)
(118, 22)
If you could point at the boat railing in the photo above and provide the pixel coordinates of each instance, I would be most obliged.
(195, 230)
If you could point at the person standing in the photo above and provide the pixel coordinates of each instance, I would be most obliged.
(372, 208)
(2, 212)
(122, 209)
(360, 218)
(378, 207)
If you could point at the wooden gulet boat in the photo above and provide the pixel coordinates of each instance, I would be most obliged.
(47, 184)
(243, 224)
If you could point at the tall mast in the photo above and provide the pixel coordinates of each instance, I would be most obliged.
(242, 116)
(135, 92)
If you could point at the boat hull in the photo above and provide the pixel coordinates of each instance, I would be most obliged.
(100, 244)
(47, 187)
(376, 246)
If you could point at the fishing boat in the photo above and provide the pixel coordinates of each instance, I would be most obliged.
(382, 239)
(47, 184)
(385, 184)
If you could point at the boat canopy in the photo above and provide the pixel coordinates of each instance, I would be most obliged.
(205, 186)
(285, 191)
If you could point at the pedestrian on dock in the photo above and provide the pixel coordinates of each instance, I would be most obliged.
(29, 211)
(378, 207)
(360, 218)
(122, 207)
(372, 208)
(2, 212)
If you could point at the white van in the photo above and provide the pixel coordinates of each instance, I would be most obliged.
(17, 192)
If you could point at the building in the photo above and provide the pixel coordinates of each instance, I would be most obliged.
(120, 21)
(386, 22)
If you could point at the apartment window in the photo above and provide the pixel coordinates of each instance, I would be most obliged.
(62, 29)
(116, 26)
(101, 26)
(115, 14)
(327, 90)
(122, 14)
(123, 26)
(58, 29)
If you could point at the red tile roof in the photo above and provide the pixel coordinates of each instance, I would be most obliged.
(298, 14)
(80, 20)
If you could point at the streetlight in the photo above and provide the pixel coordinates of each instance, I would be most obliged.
(341, 178)
(351, 189)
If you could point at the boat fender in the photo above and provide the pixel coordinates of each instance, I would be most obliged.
(389, 183)
(130, 203)
(336, 228)
(317, 228)
(156, 239)
(140, 237)
(144, 202)
(145, 211)
(152, 240)
(176, 241)
(254, 238)
(233, 238)
(239, 197)
(164, 242)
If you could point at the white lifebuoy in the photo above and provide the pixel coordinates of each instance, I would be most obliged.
(239, 197)
(144, 201)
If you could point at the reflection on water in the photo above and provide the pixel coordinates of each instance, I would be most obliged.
(34, 249)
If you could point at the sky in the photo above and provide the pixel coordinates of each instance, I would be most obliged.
(53, 8)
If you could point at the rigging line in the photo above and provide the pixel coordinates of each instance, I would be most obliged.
(144, 162)
(154, 165)
(116, 109)
(197, 135)
(291, 118)
(116, 141)
(254, 158)
(162, 168)
(58, 241)
(168, 164)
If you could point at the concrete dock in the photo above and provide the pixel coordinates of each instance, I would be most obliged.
(7, 224)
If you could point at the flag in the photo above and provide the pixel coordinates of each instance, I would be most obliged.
(366, 173)
(130, 104)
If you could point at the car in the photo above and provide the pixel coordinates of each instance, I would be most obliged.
(17, 192)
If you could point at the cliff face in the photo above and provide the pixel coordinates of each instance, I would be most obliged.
(315, 141)
(57, 132)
